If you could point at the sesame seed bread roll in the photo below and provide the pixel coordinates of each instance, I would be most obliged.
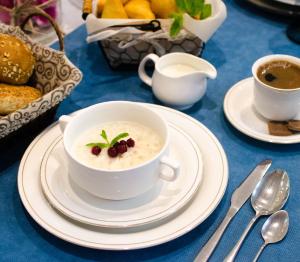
(13, 98)
(16, 60)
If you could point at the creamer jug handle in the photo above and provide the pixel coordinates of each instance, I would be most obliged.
(142, 73)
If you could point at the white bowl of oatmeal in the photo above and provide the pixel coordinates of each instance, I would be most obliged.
(117, 150)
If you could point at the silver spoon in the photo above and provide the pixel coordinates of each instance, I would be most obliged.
(274, 229)
(269, 196)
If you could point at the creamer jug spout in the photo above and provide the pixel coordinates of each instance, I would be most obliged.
(206, 68)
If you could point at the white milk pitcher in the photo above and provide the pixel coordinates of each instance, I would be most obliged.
(179, 79)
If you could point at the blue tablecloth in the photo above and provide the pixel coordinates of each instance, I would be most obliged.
(244, 37)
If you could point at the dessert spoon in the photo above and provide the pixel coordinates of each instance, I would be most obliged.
(274, 229)
(238, 199)
(269, 196)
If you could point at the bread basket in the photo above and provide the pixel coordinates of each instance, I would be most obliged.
(54, 75)
(130, 47)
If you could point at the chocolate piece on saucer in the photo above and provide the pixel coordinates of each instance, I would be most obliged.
(294, 125)
(277, 128)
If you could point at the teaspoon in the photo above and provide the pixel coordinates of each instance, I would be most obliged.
(269, 196)
(274, 229)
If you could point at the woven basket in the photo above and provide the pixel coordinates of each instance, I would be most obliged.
(132, 55)
(54, 75)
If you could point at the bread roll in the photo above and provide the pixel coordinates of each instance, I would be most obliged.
(16, 60)
(16, 97)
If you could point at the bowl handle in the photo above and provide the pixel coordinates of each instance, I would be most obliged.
(63, 121)
(172, 164)
(34, 11)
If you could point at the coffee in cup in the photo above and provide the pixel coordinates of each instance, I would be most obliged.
(277, 87)
(280, 74)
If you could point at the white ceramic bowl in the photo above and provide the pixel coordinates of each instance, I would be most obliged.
(117, 184)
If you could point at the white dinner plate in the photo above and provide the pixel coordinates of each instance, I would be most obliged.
(163, 200)
(238, 108)
(208, 196)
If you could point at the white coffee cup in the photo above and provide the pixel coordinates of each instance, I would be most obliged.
(274, 103)
(117, 184)
(179, 79)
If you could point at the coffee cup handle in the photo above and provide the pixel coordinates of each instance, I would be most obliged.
(142, 73)
(172, 164)
(63, 122)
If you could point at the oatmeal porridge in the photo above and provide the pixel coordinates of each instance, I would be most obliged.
(143, 143)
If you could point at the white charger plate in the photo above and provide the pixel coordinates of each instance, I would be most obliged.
(163, 200)
(210, 193)
(238, 108)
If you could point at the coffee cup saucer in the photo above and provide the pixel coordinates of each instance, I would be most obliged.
(160, 202)
(239, 110)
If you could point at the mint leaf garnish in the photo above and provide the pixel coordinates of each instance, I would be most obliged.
(104, 136)
(117, 138)
(101, 145)
(107, 144)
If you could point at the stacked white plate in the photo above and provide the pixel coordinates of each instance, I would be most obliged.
(166, 212)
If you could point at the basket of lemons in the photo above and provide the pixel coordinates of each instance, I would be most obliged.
(128, 30)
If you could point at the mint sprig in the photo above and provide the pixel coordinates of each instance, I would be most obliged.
(195, 8)
(101, 145)
(107, 144)
(117, 138)
(104, 136)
